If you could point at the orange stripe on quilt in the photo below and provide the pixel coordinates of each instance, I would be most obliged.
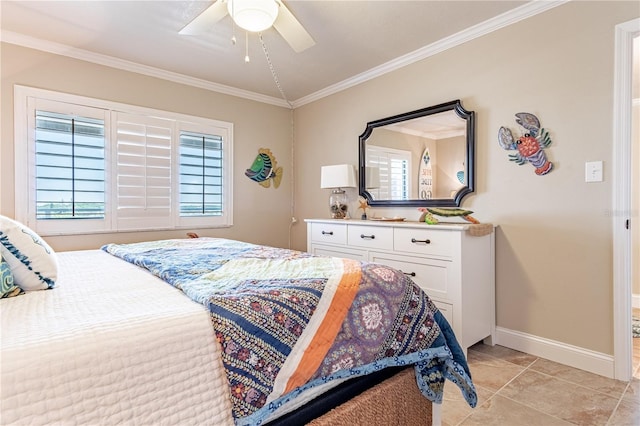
(330, 326)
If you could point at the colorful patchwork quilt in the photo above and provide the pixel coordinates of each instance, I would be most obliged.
(287, 321)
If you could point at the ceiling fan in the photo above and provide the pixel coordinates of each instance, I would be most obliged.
(254, 16)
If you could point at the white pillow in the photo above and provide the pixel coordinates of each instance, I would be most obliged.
(32, 262)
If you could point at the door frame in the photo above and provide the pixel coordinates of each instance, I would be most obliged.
(621, 212)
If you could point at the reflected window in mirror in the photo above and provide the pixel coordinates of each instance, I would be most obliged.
(423, 157)
(393, 168)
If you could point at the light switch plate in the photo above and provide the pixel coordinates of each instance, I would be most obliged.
(593, 171)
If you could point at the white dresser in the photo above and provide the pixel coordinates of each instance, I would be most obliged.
(455, 268)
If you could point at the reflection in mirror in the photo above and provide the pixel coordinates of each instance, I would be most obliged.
(420, 158)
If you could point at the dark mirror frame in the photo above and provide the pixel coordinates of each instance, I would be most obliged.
(468, 116)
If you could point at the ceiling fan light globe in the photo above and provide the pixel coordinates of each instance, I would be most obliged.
(253, 15)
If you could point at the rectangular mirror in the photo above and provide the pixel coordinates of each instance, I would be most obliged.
(419, 158)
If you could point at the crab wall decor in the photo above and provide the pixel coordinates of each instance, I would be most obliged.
(530, 145)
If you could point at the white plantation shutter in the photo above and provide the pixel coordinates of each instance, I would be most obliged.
(399, 172)
(375, 159)
(143, 164)
(90, 165)
(395, 172)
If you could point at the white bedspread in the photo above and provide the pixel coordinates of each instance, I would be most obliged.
(111, 344)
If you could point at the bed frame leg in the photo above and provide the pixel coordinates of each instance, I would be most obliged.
(436, 414)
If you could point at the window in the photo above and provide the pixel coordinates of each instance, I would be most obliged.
(395, 171)
(201, 175)
(69, 164)
(97, 166)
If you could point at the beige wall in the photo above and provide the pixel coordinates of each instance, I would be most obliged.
(450, 160)
(554, 243)
(261, 215)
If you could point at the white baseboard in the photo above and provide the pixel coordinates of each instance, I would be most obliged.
(574, 356)
(635, 298)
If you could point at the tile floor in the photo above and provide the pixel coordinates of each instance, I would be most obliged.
(515, 388)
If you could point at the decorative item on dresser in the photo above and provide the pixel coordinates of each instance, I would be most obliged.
(335, 178)
(452, 263)
(364, 206)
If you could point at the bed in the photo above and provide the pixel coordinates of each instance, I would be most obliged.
(216, 331)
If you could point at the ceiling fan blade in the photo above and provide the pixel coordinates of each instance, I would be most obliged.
(206, 19)
(292, 30)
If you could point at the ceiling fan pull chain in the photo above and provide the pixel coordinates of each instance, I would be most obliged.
(233, 27)
(246, 47)
(273, 71)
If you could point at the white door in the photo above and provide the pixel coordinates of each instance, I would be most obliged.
(623, 217)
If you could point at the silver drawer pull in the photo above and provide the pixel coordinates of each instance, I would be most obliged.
(413, 240)
(367, 237)
(411, 274)
(327, 233)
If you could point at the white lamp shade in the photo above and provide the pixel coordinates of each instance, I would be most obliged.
(253, 15)
(372, 177)
(338, 176)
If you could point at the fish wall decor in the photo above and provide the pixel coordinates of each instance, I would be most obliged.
(530, 145)
(265, 169)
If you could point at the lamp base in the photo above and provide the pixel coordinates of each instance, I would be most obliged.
(338, 204)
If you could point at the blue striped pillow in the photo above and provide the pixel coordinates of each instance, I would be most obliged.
(7, 286)
(32, 262)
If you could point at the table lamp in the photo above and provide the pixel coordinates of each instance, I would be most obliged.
(335, 178)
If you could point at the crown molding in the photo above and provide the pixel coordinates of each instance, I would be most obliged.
(508, 18)
(110, 61)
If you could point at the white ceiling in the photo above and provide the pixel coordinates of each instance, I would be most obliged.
(434, 126)
(355, 40)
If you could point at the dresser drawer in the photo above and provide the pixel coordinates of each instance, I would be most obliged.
(430, 275)
(333, 251)
(446, 310)
(370, 237)
(456, 270)
(335, 233)
(424, 241)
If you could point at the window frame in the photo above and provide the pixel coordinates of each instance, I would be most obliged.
(25, 101)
